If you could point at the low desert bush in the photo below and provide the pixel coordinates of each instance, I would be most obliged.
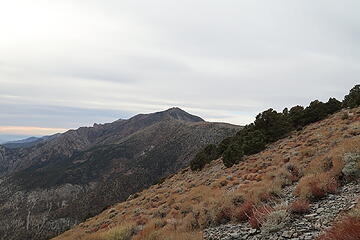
(204, 218)
(258, 216)
(190, 223)
(243, 212)
(346, 229)
(345, 116)
(316, 186)
(148, 233)
(352, 165)
(122, 232)
(294, 171)
(223, 215)
(275, 220)
(300, 206)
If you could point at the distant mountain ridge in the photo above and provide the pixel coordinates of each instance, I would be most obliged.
(75, 140)
(76, 174)
(28, 142)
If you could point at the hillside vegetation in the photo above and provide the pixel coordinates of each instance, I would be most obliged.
(315, 158)
(269, 127)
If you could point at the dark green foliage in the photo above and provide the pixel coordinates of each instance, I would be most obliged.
(224, 144)
(272, 124)
(204, 157)
(333, 105)
(296, 116)
(352, 100)
(232, 155)
(316, 111)
(253, 142)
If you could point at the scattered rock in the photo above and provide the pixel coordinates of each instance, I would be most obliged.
(308, 227)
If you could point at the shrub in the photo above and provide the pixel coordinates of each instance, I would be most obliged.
(148, 233)
(122, 232)
(243, 212)
(259, 215)
(316, 192)
(316, 186)
(237, 199)
(347, 229)
(275, 221)
(351, 168)
(345, 116)
(204, 218)
(190, 223)
(300, 206)
(223, 215)
(294, 171)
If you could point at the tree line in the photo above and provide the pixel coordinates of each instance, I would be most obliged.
(270, 126)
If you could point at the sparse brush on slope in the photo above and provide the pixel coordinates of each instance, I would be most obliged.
(271, 126)
(191, 201)
(346, 229)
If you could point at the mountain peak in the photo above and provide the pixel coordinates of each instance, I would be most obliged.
(179, 114)
(173, 113)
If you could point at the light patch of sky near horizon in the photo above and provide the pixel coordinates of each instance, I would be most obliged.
(31, 131)
(66, 64)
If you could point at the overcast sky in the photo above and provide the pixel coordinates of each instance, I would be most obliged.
(70, 63)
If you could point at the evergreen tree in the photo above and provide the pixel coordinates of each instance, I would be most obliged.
(352, 100)
(333, 105)
(296, 116)
(272, 124)
(232, 155)
(316, 111)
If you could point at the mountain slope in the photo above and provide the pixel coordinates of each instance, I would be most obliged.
(47, 188)
(64, 145)
(189, 201)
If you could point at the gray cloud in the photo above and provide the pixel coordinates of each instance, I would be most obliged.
(61, 63)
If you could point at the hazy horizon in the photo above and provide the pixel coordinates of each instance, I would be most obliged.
(67, 64)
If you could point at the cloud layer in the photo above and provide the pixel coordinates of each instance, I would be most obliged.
(66, 63)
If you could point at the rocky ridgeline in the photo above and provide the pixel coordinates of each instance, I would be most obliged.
(306, 227)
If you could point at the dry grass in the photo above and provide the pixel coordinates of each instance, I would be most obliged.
(275, 220)
(300, 206)
(243, 212)
(258, 216)
(122, 232)
(346, 229)
(316, 186)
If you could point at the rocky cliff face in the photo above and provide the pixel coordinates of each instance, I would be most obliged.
(47, 188)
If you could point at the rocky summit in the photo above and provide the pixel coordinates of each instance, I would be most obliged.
(47, 188)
